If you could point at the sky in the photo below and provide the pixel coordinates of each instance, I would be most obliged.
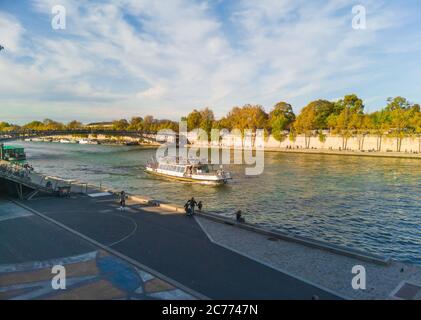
(122, 58)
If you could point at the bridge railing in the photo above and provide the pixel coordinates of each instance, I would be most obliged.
(79, 131)
(38, 181)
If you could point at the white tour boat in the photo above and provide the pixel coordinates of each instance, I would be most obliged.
(88, 141)
(188, 170)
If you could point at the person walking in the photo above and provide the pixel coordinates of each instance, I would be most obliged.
(200, 205)
(238, 216)
(193, 205)
(122, 200)
(187, 207)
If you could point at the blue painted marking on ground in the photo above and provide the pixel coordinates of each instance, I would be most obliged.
(119, 273)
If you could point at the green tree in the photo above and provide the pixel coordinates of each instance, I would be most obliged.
(148, 123)
(306, 123)
(347, 122)
(249, 116)
(400, 114)
(313, 117)
(379, 126)
(398, 103)
(416, 123)
(74, 125)
(281, 119)
(120, 125)
(51, 125)
(4, 126)
(34, 125)
(207, 120)
(323, 110)
(136, 124)
(193, 120)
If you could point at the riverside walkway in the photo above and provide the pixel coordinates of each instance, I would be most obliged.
(167, 244)
(30, 246)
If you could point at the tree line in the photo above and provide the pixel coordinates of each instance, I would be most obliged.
(346, 117)
(399, 118)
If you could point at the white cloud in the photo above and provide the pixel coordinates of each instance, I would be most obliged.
(180, 55)
(10, 32)
(153, 93)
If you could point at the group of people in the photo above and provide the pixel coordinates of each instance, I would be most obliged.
(190, 206)
(16, 169)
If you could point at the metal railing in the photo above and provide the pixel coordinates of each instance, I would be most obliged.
(28, 177)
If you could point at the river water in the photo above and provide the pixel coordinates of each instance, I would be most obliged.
(370, 204)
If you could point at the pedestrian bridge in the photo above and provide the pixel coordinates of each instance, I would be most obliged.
(27, 134)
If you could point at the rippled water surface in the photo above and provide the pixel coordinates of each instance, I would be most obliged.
(372, 204)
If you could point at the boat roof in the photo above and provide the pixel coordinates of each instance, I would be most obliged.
(12, 148)
(181, 161)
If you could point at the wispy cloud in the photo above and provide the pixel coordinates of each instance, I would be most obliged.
(121, 58)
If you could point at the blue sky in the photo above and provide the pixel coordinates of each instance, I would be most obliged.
(123, 58)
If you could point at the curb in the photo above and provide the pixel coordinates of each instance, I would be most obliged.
(300, 240)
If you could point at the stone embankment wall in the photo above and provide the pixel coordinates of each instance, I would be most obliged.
(367, 143)
(330, 142)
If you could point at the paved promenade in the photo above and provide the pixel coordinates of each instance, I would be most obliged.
(30, 246)
(322, 267)
(171, 245)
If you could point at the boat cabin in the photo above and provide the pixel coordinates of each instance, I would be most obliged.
(12, 153)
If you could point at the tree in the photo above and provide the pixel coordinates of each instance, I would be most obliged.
(148, 123)
(193, 120)
(136, 124)
(360, 124)
(223, 123)
(207, 119)
(323, 109)
(120, 125)
(306, 122)
(313, 117)
(400, 113)
(398, 103)
(416, 123)
(51, 125)
(4, 126)
(74, 125)
(34, 125)
(350, 108)
(379, 126)
(281, 119)
(249, 116)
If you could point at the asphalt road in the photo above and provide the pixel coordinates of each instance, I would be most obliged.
(173, 245)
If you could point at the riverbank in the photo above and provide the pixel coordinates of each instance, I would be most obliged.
(378, 154)
(356, 153)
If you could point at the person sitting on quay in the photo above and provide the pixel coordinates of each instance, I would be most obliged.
(238, 217)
